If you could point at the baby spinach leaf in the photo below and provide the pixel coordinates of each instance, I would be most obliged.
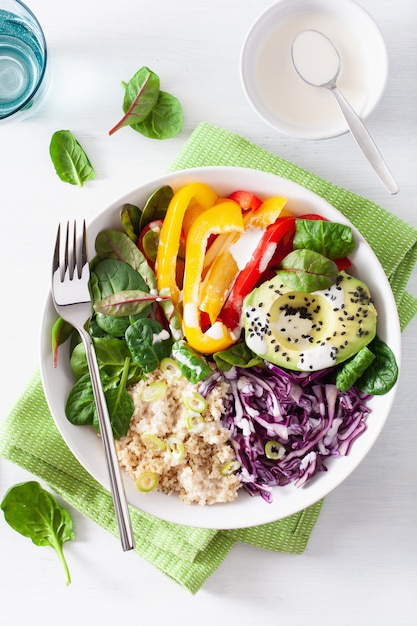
(307, 271)
(192, 365)
(70, 161)
(127, 302)
(112, 244)
(80, 408)
(156, 206)
(148, 343)
(382, 374)
(35, 513)
(111, 356)
(130, 216)
(61, 330)
(141, 95)
(114, 276)
(353, 369)
(149, 111)
(237, 355)
(120, 405)
(165, 120)
(330, 239)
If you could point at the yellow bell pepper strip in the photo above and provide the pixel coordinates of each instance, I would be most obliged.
(262, 217)
(217, 283)
(222, 218)
(170, 235)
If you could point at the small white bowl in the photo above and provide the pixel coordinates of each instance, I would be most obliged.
(278, 94)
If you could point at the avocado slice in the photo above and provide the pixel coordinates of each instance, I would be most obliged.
(309, 331)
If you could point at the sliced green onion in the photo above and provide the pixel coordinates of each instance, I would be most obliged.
(175, 448)
(170, 368)
(154, 391)
(194, 421)
(194, 401)
(153, 442)
(230, 468)
(274, 450)
(147, 481)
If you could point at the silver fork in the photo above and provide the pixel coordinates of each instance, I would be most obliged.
(71, 297)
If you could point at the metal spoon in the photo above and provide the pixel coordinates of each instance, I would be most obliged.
(307, 48)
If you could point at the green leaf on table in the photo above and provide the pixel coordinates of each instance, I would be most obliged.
(70, 161)
(35, 513)
(153, 113)
(165, 120)
(141, 95)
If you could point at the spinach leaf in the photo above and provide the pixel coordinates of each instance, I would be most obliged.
(353, 369)
(192, 365)
(114, 276)
(382, 374)
(153, 113)
(35, 513)
(130, 216)
(61, 330)
(148, 343)
(80, 408)
(239, 354)
(141, 95)
(120, 405)
(127, 302)
(156, 206)
(112, 244)
(307, 271)
(111, 356)
(165, 120)
(70, 161)
(330, 239)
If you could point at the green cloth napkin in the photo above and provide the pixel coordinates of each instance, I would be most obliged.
(29, 437)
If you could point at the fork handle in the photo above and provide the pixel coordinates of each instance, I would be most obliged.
(116, 483)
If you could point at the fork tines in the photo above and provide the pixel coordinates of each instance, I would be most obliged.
(75, 255)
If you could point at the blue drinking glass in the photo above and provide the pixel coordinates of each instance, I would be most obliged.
(23, 59)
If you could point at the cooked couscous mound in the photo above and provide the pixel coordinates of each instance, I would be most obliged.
(180, 449)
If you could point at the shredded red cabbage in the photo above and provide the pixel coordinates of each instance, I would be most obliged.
(302, 415)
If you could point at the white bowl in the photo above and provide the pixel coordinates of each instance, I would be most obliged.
(245, 510)
(278, 94)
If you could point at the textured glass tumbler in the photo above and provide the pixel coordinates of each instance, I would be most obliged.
(23, 58)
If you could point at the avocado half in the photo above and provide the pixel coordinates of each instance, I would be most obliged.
(309, 331)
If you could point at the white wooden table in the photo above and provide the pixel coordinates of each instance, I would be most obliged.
(360, 567)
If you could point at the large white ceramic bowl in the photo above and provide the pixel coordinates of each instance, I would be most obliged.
(245, 510)
(278, 94)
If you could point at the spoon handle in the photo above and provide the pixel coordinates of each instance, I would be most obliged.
(365, 142)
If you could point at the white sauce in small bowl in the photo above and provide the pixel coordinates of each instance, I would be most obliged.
(281, 97)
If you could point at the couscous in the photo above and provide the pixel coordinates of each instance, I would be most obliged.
(174, 445)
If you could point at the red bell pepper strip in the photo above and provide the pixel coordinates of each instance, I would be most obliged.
(260, 261)
(246, 200)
